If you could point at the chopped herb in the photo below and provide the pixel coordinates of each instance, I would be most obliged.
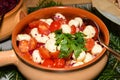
(70, 43)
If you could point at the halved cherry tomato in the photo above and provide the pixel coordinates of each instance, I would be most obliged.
(59, 63)
(43, 28)
(23, 46)
(89, 44)
(27, 56)
(34, 24)
(48, 63)
(32, 44)
(73, 29)
(44, 53)
(55, 25)
(55, 54)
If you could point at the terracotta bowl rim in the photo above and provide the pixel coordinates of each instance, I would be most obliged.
(99, 21)
(14, 9)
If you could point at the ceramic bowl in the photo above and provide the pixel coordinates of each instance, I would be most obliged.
(31, 71)
(11, 19)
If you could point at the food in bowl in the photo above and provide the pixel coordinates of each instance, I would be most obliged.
(59, 42)
(7, 5)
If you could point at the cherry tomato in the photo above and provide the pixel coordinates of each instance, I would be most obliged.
(27, 56)
(43, 28)
(32, 44)
(55, 54)
(44, 53)
(34, 24)
(23, 46)
(48, 63)
(59, 63)
(89, 44)
(55, 25)
(73, 29)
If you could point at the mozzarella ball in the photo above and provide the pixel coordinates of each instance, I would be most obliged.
(40, 38)
(66, 28)
(21, 37)
(50, 45)
(34, 32)
(59, 16)
(88, 57)
(81, 56)
(96, 49)
(79, 20)
(89, 31)
(51, 35)
(73, 22)
(77, 63)
(36, 56)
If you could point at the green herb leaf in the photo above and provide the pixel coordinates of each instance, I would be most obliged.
(70, 43)
(44, 4)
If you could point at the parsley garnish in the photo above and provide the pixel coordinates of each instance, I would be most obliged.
(70, 43)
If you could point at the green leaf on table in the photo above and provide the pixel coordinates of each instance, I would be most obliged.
(10, 73)
(112, 69)
(44, 4)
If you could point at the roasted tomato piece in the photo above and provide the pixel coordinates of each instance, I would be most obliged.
(27, 56)
(48, 63)
(34, 24)
(44, 53)
(73, 29)
(32, 44)
(43, 28)
(89, 44)
(23, 46)
(55, 25)
(59, 63)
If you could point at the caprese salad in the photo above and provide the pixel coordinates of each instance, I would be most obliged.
(58, 42)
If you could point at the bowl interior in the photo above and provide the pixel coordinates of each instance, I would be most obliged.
(69, 12)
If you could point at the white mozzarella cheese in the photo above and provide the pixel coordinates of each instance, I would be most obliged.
(89, 31)
(76, 63)
(36, 56)
(50, 45)
(96, 49)
(21, 37)
(58, 47)
(34, 32)
(60, 16)
(66, 28)
(73, 22)
(80, 57)
(88, 57)
(51, 35)
(79, 20)
(40, 38)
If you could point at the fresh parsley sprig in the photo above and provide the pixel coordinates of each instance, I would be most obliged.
(70, 43)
